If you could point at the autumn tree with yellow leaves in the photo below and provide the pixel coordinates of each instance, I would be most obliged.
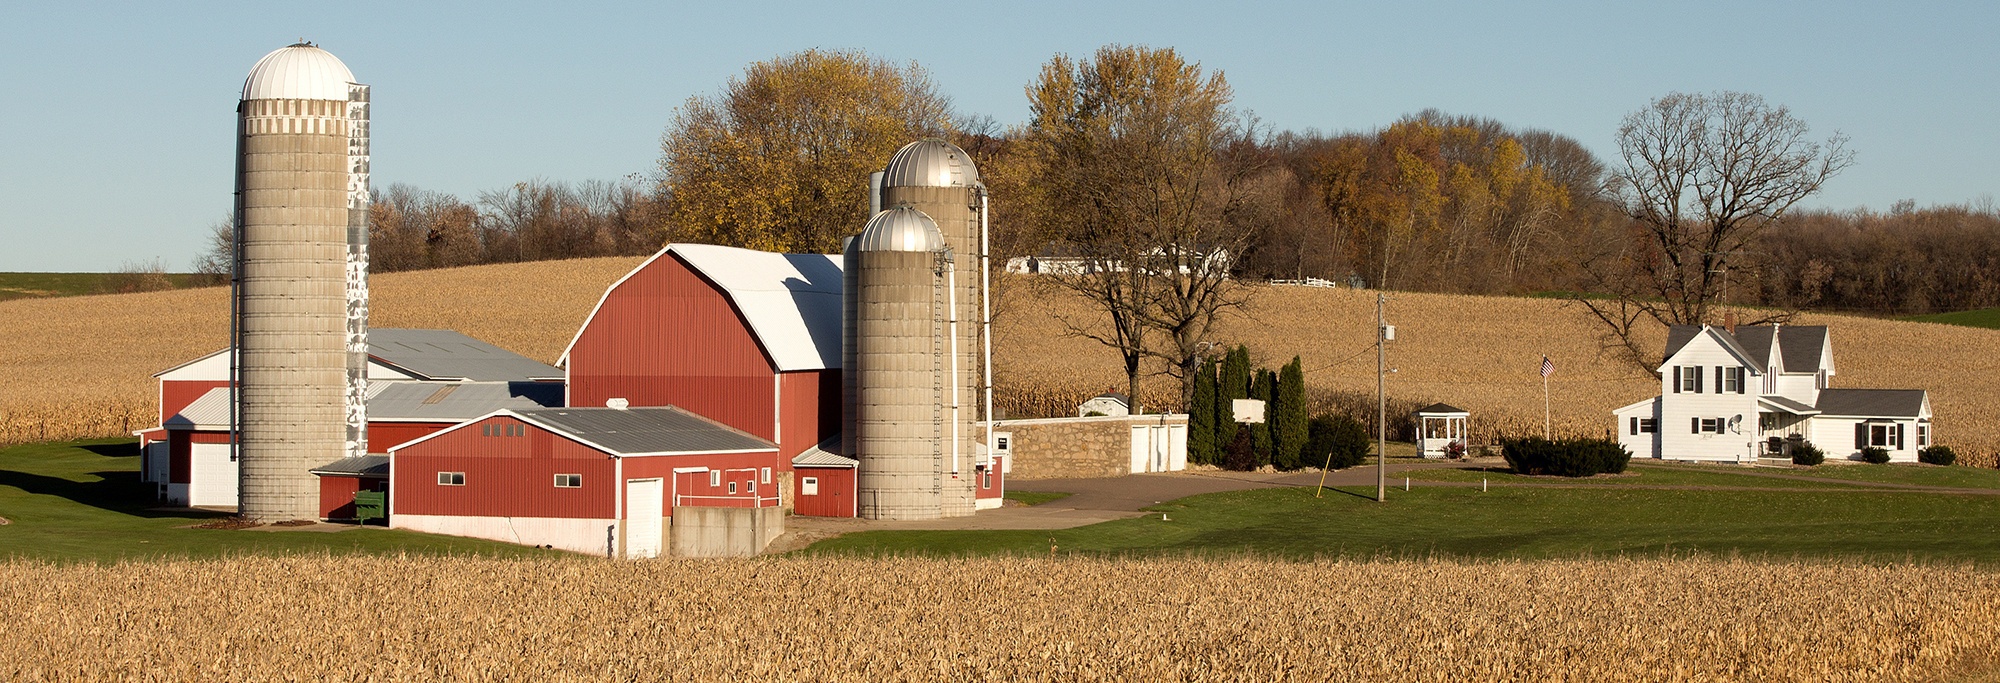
(779, 159)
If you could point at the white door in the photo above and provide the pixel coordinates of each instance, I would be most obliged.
(1142, 449)
(212, 475)
(1177, 448)
(643, 499)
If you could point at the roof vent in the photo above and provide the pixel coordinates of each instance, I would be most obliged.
(617, 404)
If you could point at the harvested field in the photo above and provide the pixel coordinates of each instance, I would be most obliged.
(1484, 354)
(81, 366)
(823, 619)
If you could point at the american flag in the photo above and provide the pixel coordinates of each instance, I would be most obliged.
(1548, 366)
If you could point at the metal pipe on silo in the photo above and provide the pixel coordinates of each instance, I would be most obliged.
(295, 167)
(986, 319)
(874, 193)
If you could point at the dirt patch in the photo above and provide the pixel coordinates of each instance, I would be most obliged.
(295, 522)
(230, 522)
(4, 521)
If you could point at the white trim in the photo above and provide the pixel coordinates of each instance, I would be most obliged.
(192, 362)
(685, 470)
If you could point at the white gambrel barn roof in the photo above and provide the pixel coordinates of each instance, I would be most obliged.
(791, 301)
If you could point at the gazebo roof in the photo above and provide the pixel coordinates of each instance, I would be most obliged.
(1441, 409)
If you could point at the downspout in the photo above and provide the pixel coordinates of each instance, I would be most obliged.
(986, 316)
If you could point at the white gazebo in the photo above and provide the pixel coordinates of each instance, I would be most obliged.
(1438, 427)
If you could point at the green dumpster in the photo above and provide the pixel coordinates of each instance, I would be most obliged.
(371, 505)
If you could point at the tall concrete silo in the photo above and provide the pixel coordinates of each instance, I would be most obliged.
(295, 325)
(898, 367)
(939, 179)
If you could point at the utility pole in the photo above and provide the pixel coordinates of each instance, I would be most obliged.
(1381, 402)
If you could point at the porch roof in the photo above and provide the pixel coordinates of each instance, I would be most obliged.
(1780, 404)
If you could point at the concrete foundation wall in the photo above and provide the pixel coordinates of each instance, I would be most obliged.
(575, 535)
(1076, 447)
(723, 532)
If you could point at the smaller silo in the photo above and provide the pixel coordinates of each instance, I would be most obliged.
(899, 365)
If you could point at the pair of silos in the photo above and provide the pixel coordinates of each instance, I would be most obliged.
(914, 365)
(300, 283)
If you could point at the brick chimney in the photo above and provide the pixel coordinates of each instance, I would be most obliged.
(1729, 321)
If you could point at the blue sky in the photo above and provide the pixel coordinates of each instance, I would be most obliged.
(118, 119)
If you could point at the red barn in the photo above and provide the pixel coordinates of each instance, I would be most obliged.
(590, 480)
(747, 338)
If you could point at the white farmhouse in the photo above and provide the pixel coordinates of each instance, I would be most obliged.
(1725, 393)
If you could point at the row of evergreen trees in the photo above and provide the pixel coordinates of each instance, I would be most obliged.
(1287, 439)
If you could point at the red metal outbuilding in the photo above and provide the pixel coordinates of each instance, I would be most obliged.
(748, 338)
(593, 480)
(824, 483)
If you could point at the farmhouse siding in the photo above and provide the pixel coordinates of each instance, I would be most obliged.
(1705, 397)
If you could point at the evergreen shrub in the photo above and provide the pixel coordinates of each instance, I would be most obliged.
(1565, 457)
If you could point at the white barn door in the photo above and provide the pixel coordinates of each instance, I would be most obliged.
(211, 476)
(643, 517)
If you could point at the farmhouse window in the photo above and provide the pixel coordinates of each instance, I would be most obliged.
(569, 481)
(1707, 425)
(1923, 435)
(1881, 435)
(1647, 426)
(451, 479)
(1732, 380)
(1690, 379)
(1635, 425)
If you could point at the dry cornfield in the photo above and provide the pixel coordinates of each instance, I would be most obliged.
(1484, 354)
(902, 619)
(82, 366)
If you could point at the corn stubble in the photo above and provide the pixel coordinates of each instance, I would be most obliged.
(821, 619)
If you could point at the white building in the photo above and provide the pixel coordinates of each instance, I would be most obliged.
(1724, 395)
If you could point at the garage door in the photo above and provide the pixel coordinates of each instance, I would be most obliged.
(212, 480)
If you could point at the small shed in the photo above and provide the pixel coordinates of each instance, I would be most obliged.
(1109, 404)
(1439, 426)
(824, 482)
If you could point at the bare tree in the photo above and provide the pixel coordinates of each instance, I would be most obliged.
(215, 265)
(1145, 174)
(1703, 176)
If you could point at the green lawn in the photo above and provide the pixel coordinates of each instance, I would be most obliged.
(1902, 473)
(1508, 522)
(1985, 317)
(35, 285)
(1637, 475)
(83, 501)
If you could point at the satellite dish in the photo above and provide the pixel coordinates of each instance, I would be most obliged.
(1736, 424)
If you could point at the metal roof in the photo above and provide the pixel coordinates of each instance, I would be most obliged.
(211, 411)
(900, 229)
(456, 401)
(298, 72)
(644, 431)
(930, 162)
(1789, 405)
(450, 355)
(363, 466)
(1872, 402)
(790, 301)
(1439, 408)
(822, 455)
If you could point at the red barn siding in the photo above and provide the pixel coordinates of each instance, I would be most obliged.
(667, 336)
(176, 395)
(811, 408)
(336, 494)
(383, 436)
(505, 476)
(991, 483)
(745, 469)
(836, 492)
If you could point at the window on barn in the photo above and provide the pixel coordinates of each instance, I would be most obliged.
(451, 479)
(809, 486)
(715, 477)
(986, 479)
(569, 481)
(767, 475)
(732, 488)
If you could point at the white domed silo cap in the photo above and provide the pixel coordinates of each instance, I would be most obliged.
(300, 71)
(930, 162)
(900, 229)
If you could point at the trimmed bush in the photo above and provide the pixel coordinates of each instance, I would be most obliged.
(1875, 454)
(1239, 456)
(1804, 453)
(1564, 458)
(1937, 455)
(1335, 441)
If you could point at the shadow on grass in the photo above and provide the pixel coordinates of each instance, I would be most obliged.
(1362, 496)
(115, 491)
